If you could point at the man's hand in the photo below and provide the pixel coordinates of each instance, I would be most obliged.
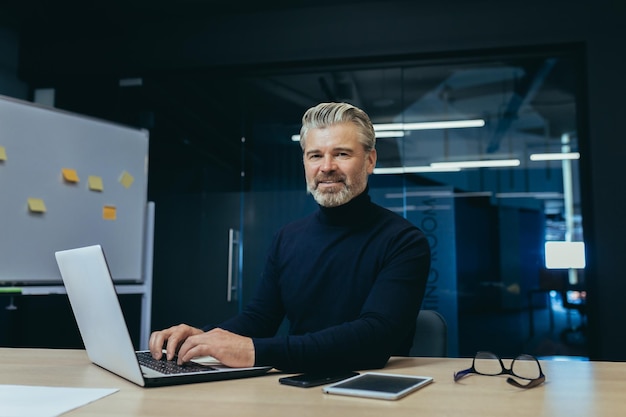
(190, 342)
(170, 339)
(229, 348)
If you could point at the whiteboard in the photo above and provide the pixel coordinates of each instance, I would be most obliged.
(43, 208)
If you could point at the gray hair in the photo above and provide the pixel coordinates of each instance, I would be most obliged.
(328, 114)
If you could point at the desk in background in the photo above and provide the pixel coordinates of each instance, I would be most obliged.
(572, 389)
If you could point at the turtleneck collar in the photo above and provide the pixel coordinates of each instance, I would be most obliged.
(355, 212)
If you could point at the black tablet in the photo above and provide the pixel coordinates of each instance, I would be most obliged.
(379, 385)
(309, 380)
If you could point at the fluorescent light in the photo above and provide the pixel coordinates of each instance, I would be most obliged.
(565, 255)
(557, 156)
(446, 124)
(390, 134)
(438, 194)
(539, 195)
(486, 163)
(414, 169)
(399, 128)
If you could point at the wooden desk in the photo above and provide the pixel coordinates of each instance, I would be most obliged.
(572, 389)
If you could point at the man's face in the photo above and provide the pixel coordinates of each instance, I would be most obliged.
(335, 164)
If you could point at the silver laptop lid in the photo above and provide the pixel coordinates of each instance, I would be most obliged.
(97, 310)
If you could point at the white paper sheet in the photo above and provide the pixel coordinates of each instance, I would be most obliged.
(33, 401)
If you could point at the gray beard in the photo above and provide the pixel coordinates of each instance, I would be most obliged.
(325, 199)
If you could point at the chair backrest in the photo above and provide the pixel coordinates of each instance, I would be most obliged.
(431, 335)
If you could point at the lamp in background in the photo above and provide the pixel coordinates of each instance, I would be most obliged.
(565, 255)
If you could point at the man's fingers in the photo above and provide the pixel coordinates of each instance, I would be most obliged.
(188, 349)
(167, 339)
(172, 347)
(156, 344)
(171, 340)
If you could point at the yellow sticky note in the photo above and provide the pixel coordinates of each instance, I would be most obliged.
(126, 179)
(36, 205)
(109, 213)
(95, 183)
(3, 154)
(70, 175)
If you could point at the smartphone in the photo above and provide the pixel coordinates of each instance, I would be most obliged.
(379, 385)
(316, 379)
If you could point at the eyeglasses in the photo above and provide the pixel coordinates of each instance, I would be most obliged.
(524, 367)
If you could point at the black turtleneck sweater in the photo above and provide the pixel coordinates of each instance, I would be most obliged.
(349, 279)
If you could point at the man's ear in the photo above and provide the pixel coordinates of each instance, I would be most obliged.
(371, 161)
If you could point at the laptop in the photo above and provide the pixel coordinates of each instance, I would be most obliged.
(97, 310)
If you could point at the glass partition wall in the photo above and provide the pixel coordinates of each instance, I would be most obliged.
(496, 189)
(481, 152)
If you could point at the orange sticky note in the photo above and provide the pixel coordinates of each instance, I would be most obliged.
(126, 179)
(109, 213)
(95, 183)
(36, 205)
(70, 175)
(3, 154)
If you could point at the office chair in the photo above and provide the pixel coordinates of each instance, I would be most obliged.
(558, 280)
(431, 335)
(573, 334)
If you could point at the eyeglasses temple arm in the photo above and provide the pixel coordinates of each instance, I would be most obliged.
(460, 374)
(531, 384)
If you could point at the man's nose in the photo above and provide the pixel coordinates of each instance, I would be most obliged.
(328, 163)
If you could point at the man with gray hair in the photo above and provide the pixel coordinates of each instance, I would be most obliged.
(349, 278)
(324, 116)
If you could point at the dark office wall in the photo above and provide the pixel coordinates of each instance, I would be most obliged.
(376, 29)
(10, 85)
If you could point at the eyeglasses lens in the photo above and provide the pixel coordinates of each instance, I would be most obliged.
(526, 367)
(487, 363)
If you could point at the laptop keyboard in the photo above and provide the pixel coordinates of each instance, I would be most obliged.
(169, 367)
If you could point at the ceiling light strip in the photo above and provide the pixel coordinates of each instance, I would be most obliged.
(399, 128)
(446, 124)
(390, 133)
(487, 163)
(543, 195)
(412, 170)
(556, 156)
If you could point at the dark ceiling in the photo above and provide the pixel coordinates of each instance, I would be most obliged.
(528, 98)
